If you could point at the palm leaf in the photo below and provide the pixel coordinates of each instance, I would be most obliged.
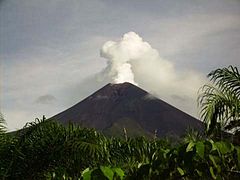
(220, 102)
(233, 124)
(2, 124)
(227, 79)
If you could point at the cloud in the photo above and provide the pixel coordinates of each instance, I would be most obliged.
(135, 61)
(201, 41)
(46, 99)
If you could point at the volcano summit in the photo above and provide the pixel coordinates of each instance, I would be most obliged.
(118, 106)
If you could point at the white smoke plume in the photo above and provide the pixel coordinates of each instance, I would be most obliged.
(120, 54)
(133, 60)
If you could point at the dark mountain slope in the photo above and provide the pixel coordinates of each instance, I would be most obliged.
(122, 105)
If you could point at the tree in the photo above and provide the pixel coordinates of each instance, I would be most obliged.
(2, 124)
(220, 101)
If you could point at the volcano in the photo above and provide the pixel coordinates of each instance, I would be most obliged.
(118, 106)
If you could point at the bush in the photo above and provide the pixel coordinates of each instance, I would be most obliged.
(48, 150)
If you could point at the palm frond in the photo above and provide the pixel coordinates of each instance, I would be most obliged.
(220, 102)
(233, 124)
(227, 79)
(3, 128)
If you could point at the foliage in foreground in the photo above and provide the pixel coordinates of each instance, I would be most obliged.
(49, 150)
(220, 101)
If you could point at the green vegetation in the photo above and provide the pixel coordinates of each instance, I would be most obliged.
(220, 101)
(46, 149)
(2, 125)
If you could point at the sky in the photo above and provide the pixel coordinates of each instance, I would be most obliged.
(54, 53)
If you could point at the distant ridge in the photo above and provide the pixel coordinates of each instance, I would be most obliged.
(116, 106)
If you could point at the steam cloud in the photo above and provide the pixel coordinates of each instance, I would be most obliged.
(132, 50)
(133, 60)
(120, 55)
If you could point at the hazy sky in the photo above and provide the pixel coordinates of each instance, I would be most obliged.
(50, 49)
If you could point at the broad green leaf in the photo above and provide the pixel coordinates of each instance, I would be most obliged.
(190, 146)
(223, 147)
(119, 172)
(108, 173)
(212, 173)
(180, 171)
(86, 174)
(200, 149)
(85, 170)
(213, 144)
